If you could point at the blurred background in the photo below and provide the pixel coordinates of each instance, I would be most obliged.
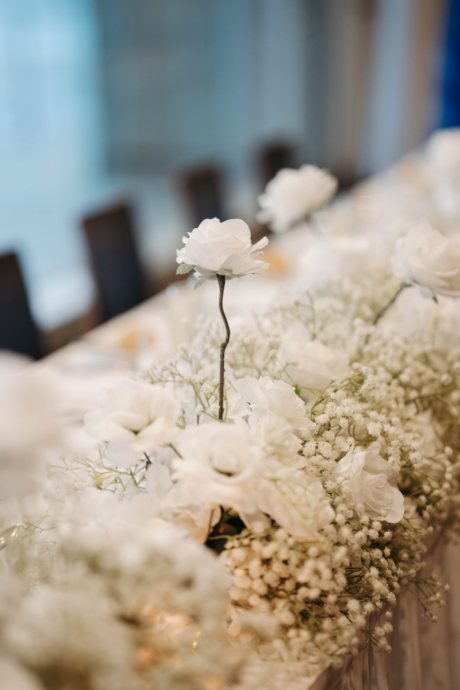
(124, 122)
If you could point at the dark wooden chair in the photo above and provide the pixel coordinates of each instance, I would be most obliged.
(274, 157)
(111, 241)
(203, 191)
(18, 331)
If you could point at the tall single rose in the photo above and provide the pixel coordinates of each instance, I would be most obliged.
(220, 248)
(369, 483)
(293, 194)
(426, 258)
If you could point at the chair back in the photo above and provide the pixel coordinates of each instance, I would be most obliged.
(203, 190)
(115, 263)
(18, 331)
(274, 157)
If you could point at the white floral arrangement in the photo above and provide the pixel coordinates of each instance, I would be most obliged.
(275, 490)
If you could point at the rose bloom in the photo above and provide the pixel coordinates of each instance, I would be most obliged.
(298, 502)
(293, 194)
(369, 482)
(426, 258)
(225, 248)
(221, 464)
(136, 418)
(277, 397)
(310, 363)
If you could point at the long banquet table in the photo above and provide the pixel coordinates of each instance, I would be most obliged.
(425, 655)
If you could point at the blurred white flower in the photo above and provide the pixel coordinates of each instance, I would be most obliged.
(329, 259)
(293, 194)
(71, 634)
(225, 248)
(426, 258)
(136, 418)
(369, 481)
(309, 363)
(109, 594)
(296, 501)
(278, 397)
(28, 424)
(443, 153)
(221, 465)
(423, 424)
(277, 439)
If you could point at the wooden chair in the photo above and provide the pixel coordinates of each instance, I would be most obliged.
(110, 238)
(18, 331)
(274, 157)
(203, 191)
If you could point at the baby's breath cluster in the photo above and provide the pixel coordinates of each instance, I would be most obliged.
(339, 471)
(337, 506)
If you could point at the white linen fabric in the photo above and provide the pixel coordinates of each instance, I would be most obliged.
(424, 654)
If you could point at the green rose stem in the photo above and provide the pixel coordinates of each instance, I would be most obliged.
(384, 309)
(221, 281)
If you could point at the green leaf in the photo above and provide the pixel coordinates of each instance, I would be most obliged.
(183, 269)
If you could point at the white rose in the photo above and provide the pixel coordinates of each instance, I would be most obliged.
(221, 465)
(296, 501)
(220, 248)
(369, 481)
(426, 258)
(309, 363)
(191, 511)
(277, 397)
(277, 438)
(136, 418)
(293, 194)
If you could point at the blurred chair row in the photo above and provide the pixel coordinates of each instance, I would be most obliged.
(111, 240)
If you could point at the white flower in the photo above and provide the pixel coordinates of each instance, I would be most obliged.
(369, 481)
(309, 363)
(328, 259)
(135, 419)
(296, 501)
(443, 153)
(426, 258)
(429, 443)
(294, 194)
(220, 248)
(28, 423)
(221, 465)
(277, 397)
(277, 438)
